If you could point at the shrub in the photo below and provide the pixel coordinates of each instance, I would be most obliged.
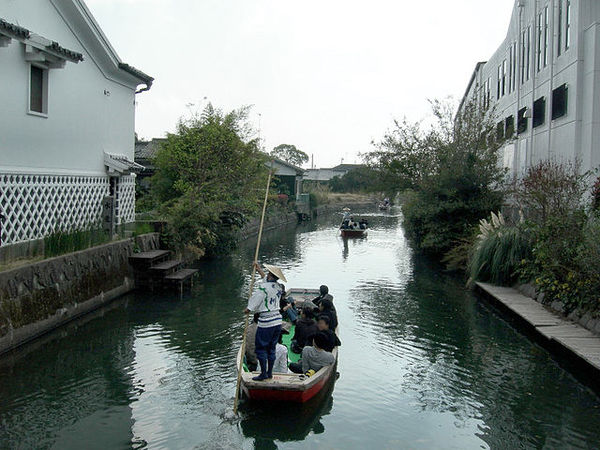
(551, 189)
(451, 170)
(499, 251)
(596, 195)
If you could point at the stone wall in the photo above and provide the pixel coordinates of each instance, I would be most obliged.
(39, 297)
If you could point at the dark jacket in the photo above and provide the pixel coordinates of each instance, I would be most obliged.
(333, 341)
(317, 301)
(330, 311)
(305, 329)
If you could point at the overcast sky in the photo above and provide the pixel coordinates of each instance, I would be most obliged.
(327, 76)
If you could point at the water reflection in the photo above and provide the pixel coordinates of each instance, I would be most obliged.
(423, 364)
(286, 422)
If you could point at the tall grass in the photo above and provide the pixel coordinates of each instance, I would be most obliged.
(498, 254)
(61, 242)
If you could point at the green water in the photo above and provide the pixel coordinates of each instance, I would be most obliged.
(423, 364)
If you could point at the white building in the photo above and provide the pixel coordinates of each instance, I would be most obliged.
(544, 83)
(327, 174)
(66, 121)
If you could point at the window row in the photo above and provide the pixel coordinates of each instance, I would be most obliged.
(534, 51)
(505, 129)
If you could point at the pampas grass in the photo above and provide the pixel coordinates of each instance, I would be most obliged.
(499, 250)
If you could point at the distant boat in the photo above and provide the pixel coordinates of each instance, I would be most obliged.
(288, 387)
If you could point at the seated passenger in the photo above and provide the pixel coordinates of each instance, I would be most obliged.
(326, 308)
(332, 339)
(314, 358)
(323, 293)
(306, 328)
(287, 307)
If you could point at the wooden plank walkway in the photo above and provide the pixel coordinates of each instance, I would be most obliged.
(167, 265)
(150, 256)
(571, 336)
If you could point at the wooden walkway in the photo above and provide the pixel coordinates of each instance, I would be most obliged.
(569, 335)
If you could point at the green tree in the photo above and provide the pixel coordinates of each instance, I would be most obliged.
(210, 174)
(290, 154)
(449, 174)
(361, 179)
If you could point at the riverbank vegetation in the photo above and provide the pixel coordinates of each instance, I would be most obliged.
(210, 177)
(556, 241)
(453, 188)
(447, 174)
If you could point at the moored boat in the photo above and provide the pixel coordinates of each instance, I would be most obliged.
(288, 387)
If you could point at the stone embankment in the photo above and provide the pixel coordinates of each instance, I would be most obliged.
(39, 297)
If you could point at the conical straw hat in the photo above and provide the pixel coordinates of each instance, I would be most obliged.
(276, 271)
(346, 209)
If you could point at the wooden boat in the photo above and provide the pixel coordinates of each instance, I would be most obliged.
(353, 232)
(290, 387)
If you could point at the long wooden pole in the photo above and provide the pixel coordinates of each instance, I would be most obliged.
(260, 229)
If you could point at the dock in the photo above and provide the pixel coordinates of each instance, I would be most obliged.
(569, 338)
(155, 268)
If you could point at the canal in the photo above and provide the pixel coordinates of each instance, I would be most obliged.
(423, 364)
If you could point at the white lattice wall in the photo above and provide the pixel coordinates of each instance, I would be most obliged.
(37, 205)
(125, 204)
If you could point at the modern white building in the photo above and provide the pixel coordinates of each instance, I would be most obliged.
(66, 122)
(543, 84)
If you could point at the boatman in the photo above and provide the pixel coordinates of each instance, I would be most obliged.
(265, 301)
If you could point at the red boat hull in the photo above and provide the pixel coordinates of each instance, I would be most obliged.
(287, 396)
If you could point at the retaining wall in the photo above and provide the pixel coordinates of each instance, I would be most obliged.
(39, 297)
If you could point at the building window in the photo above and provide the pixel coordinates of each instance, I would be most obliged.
(503, 77)
(38, 90)
(488, 92)
(546, 36)
(498, 86)
(510, 67)
(522, 121)
(559, 29)
(513, 68)
(567, 24)
(559, 101)
(539, 112)
(500, 131)
(525, 55)
(538, 52)
(509, 127)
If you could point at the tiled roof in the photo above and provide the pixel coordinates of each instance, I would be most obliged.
(18, 32)
(121, 163)
(347, 166)
(13, 29)
(136, 73)
(145, 151)
(69, 54)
